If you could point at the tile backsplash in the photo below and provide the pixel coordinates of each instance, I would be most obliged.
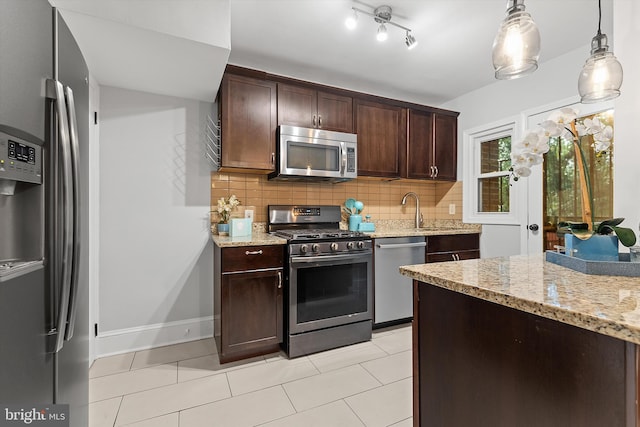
(381, 198)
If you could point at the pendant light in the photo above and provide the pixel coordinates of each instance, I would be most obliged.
(516, 47)
(601, 75)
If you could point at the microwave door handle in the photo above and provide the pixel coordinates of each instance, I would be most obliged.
(343, 152)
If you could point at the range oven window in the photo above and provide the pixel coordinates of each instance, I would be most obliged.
(325, 292)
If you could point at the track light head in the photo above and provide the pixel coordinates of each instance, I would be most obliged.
(410, 41)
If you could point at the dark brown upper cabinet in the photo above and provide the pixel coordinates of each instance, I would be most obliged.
(310, 108)
(248, 120)
(382, 134)
(432, 146)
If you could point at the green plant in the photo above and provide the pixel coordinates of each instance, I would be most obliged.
(581, 230)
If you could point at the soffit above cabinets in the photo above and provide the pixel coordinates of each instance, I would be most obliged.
(167, 47)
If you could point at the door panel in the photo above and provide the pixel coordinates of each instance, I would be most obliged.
(335, 112)
(296, 106)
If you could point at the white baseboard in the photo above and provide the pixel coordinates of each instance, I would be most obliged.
(145, 337)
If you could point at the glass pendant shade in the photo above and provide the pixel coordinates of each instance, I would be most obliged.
(601, 76)
(516, 48)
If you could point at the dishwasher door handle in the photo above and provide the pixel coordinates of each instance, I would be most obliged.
(402, 245)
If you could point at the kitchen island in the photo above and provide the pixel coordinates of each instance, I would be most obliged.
(521, 342)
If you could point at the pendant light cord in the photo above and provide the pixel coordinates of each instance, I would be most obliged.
(599, 15)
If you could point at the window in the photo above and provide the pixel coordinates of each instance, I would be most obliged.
(493, 181)
(488, 195)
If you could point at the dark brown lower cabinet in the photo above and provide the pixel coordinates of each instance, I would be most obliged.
(455, 247)
(477, 363)
(248, 296)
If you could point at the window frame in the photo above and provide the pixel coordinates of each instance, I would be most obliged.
(473, 138)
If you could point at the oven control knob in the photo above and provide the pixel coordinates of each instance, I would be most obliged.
(350, 245)
(361, 245)
(315, 247)
(334, 246)
(303, 249)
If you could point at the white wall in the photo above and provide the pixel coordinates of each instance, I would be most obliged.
(626, 201)
(155, 251)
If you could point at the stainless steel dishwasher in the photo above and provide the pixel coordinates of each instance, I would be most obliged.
(394, 292)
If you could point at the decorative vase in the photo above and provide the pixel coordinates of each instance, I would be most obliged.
(223, 229)
(354, 220)
(598, 247)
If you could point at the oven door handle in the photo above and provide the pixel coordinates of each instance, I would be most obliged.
(319, 259)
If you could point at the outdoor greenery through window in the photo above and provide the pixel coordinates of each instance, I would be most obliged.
(493, 181)
(562, 185)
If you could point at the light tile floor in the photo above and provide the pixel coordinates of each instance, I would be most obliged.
(184, 385)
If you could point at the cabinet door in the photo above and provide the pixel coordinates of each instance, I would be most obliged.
(420, 160)
(248, 111)
(251, 313)
(297, 106)
(382, 135)
(335, 112)
(445, 147)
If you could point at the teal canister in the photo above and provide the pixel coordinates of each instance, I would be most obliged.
(354, 220)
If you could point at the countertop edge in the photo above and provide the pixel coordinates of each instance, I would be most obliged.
(608, 327)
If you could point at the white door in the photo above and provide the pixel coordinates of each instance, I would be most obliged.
(531, 209)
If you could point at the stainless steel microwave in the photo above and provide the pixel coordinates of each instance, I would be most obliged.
(315, 154)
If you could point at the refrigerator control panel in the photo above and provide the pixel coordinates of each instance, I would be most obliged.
(20, 160)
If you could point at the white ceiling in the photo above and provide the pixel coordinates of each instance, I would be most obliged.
(308, 39)
(180, 47)
(168, 47)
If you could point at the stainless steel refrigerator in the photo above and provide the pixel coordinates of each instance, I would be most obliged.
(44, 126)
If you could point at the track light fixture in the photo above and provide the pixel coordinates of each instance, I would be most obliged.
(382, 15)
(516, 47)
(601, 75)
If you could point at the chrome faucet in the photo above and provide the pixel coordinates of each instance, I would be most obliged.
(419, 218)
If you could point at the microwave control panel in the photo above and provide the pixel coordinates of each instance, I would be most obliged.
(351, 159)
(20, 160)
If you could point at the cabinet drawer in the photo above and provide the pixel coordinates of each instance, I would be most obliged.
(453, 243)
(252, 258)
(452, 256)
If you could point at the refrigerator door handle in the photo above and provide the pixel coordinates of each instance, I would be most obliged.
(62, 273)
(75, 193)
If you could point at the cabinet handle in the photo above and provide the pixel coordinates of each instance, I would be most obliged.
(431, 175)
(436, 169)
(453, 257)
(314, 120)
(273, 159)
(319, 121)
(253, 252)
(279, 279)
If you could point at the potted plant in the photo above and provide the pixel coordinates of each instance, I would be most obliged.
(602, 236)
(224, 208)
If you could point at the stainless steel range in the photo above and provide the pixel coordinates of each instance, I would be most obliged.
(328, 297)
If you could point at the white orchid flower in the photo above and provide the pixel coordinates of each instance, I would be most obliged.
(564, 116)
(600, 146)
(605, 135)
(552, 129)
(522, 171)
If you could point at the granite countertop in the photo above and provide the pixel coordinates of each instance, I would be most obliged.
(257, 238)
(384, 228)
(605, 304)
